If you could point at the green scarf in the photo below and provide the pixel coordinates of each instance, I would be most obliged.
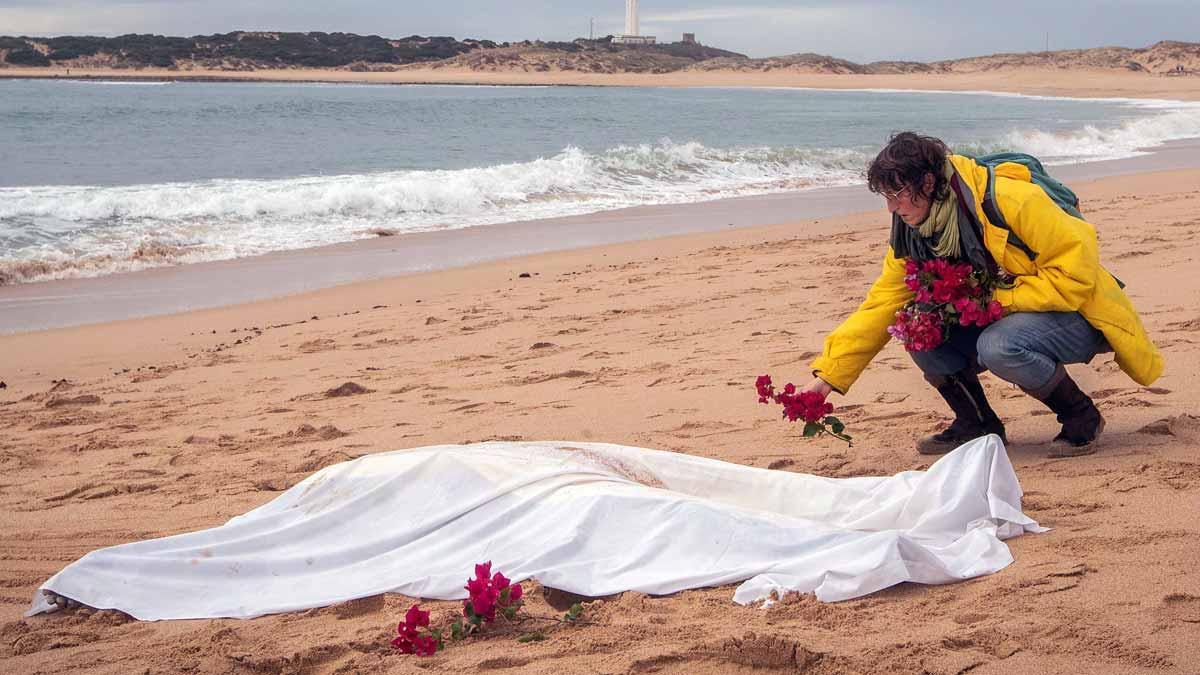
(943, 221)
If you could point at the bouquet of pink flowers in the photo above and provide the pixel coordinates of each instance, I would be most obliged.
(945, 295)
(809, 406)
(487, 595)
(410, 641)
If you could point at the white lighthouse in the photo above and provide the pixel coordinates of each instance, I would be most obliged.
(632, 35)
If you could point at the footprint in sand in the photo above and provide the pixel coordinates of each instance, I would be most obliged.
(1105, 367)
(902, 414)
(1190, 326)
(1131, 402)
(68, 418)
(1175, 475)
(1183, 607)
(539, 378)
(320, 461)
(1051, 577)
(763, 652)
(72, 401)
(319, 345)
(91, 491)
(1178, 425)
(307, 432)
(347, 389)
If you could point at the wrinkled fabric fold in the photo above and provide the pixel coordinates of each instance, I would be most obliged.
(588, 518)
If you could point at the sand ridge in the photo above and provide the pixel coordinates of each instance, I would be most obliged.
(149, 427)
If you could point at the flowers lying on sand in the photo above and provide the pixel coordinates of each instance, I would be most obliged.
(944, 295)
(488, 595)
(809, 406)
(409, 641)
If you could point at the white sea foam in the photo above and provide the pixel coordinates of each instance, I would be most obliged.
(119, 83)
(1137, 102)
(1092, 143)
(69, 231)
(65, 231)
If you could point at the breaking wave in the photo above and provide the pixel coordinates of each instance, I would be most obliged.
(72, 231)
(68, 231)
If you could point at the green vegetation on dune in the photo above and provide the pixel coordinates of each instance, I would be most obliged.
(270, 49)
(267, 49)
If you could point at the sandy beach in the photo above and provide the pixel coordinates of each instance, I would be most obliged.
(148, 427)
(1083, 83)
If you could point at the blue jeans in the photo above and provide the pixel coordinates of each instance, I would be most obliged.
(1025, 348)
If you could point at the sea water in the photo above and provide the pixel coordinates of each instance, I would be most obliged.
(100, 177)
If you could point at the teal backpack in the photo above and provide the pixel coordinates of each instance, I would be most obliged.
(1062, 195)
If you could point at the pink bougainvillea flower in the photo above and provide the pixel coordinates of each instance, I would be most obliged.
(483, 571)
(499, 581)
(944, 295)
(814, 405)
(486, 595)
(809, 406)
(765, 390)
(408, 640)
(484, 604)
(944, 291)
(425, 646)
(416, 618)
(404, 644)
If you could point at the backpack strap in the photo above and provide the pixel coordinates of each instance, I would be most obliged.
(992, 211)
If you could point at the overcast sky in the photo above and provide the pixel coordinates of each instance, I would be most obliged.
(859, 30)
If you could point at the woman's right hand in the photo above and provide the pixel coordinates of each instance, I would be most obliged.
(820, 386)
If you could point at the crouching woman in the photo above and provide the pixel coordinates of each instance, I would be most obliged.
(1060, 306)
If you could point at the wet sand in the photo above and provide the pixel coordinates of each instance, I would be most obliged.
(57, 304)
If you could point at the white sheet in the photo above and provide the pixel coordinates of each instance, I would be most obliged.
(588, 518)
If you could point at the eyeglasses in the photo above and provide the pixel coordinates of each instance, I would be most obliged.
(894, 196)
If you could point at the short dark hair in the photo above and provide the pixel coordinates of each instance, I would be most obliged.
(905, 160)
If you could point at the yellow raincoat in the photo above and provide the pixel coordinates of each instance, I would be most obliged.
(1066, 276)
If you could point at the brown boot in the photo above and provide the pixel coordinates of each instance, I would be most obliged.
(973, 417)
(1081, 421)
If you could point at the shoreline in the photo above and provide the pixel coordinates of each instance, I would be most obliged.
(34, 352)
(171, 290)
(1076, 83)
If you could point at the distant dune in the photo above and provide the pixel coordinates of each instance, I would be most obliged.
(258, 51)
(1159, 58)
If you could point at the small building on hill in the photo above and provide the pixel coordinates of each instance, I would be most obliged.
(631, 35)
